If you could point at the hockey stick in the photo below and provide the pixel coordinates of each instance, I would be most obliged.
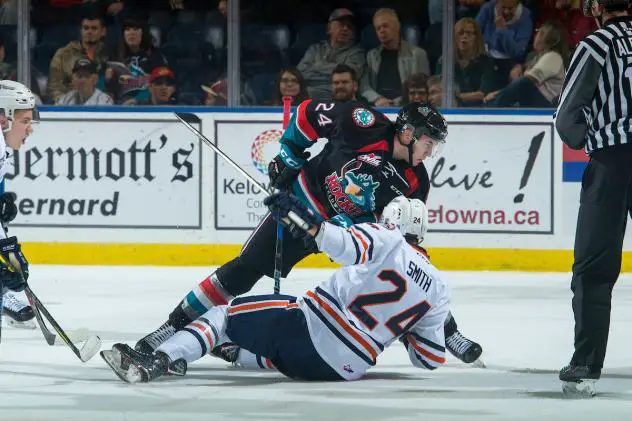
(278, 253)
(183, 119)
(87, 351)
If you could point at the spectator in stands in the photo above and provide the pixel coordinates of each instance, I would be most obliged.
(162, 88)
(391, 63)
(568, 11)
(219, 15)
(473, 69)
(344, 83)
(216, 94)
(8, 12)
(435, 91)
(415, 89)
(321, 58)
(289, 82)
(84, 84)
(137, 58)
(539, 82)
(91, 46)
(507, 28)
(7, 70)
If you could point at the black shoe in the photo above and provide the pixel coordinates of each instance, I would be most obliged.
(132, 366)
(151, 342)
(579, 380)
(462, 348)
(227, 351)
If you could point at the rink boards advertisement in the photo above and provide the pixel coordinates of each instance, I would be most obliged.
(493, 177)
(134, 186)
(103, 172)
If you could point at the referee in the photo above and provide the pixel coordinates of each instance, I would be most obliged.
(594, 113)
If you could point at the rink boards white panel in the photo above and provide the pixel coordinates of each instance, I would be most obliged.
(139, 188)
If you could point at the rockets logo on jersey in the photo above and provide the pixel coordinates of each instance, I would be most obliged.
(351, 194)
(363, 117)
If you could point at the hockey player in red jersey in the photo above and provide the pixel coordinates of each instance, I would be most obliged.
(367, 161)
(387, 290)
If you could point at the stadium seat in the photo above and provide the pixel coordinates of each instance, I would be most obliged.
(432, 42)
(262, 87)
(368, 38)
(187, 17)
(412, 34)
(42, 55)
(60, 34)
(160, 18)
(215, 35)
(306, 35)
(156, 35)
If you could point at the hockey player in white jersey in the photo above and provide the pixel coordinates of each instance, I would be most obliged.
(386, 291)
(17, 114)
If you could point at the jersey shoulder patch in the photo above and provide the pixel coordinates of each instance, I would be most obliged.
(363, 117)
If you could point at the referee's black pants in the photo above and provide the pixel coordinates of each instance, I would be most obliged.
(606, 200)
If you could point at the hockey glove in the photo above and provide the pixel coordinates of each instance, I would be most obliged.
(281, 206)
(284, 168)
(8, 209)
(11, 252)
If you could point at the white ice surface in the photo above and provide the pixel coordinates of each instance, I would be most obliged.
(523, 321)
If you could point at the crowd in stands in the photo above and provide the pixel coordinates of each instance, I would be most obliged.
(507, 53)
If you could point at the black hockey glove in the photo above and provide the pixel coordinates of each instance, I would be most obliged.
(284, 168)
(8, 209)
(8, 276)
(281, 204)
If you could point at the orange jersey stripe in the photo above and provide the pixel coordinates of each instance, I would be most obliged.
(205, 330)
(365, 246)
(425, 352)
(258, 306)
(343, 324)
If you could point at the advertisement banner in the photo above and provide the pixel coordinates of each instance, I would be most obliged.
(104, 172)
(492, 177)
(251, 144)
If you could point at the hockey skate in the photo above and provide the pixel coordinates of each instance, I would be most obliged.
(151, 342)
(579, 380)
(464, 349)
(17, 313)
(135, 367)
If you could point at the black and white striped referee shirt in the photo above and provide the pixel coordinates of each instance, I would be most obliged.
(596, 100)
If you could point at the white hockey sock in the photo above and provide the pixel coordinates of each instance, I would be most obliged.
(247, 359)
(198, 338)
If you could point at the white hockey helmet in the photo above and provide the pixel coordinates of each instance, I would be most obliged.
(409, 215)
(15, 96)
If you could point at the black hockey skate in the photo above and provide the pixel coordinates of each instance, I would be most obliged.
(18, 313)
(462, 348)
(151, 342)
(227, 351)
(579, 380)
(134, 367)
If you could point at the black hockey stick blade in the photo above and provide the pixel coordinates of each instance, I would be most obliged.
(89, 348)
(93, 343)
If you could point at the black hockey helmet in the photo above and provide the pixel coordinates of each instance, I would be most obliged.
(607, 4)
(423, 119)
